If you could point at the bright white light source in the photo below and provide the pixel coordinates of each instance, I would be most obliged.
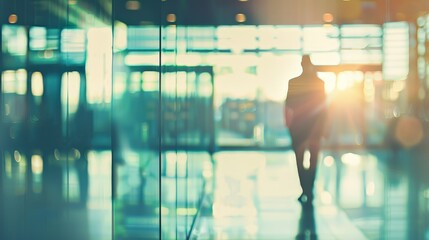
(37, 84)
(351, 159)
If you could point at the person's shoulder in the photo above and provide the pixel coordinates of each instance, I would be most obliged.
(294, 80)
(320, 81)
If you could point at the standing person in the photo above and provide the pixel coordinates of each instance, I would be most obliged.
(305, 114)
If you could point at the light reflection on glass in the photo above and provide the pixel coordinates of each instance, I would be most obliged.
(37, 84)
(22, 166)
(370, 189)
(21, 81)
(98, 65)
(351, 159)
(99, 169)
(8, 164)
(120, 35)
(38, 38)
(170, 168)
(8, 81)
(57, 154)
(17, 156)
(205, 85)
(328, 161)
(396, 35)
(150, 81)
(36, 164)
(71, 190)
(135, 82)
(120, 85)
(351, 188)
(186, 211)
(17, 40)
(70, 93)
(319, 38)
(326, 198)
(306, 161)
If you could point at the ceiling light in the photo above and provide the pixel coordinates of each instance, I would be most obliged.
(171, 18)
(132, 5)
(13, 18)
(328, 17)
(240, 17)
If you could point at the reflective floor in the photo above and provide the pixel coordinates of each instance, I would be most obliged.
(359, 195)
(56, 200)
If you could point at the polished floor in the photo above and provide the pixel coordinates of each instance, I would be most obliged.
(360, 194)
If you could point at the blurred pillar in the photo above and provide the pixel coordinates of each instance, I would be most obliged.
(1, 120)
(413, 83)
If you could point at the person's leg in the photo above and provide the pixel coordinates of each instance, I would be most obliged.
(299, 156)
(314, 147)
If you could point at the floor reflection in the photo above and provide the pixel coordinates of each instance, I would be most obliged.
(251, 195)
(307, 225)
(360, 194)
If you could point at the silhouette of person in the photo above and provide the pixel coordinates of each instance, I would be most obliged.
(305, 114)
(307, 224)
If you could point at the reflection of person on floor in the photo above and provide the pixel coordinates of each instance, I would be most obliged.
(305, 114)
(307, 225)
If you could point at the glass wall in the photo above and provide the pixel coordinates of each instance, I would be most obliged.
(187, 134)
(97, 113)
(56, 117)
(422, 49)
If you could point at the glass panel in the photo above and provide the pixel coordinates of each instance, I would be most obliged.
(236, 38)
(55, 125)
(136, 135)
(201, 38)
(396, 37)
(361, 44)
(73, 46)
(143, 38)
(14, 45)
(44, 45)
(279, 37)
(320, 38)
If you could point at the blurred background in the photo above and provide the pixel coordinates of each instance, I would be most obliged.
(163, 119)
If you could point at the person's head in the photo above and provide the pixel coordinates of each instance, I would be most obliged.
(306, 63)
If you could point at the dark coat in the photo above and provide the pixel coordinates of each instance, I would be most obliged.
(307, 99)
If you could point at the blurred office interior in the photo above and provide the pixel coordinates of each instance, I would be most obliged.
(163, 119)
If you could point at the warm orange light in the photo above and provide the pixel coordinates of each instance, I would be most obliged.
(13, 18)
(133, 5)
(171, 18)
(328, 17)
(408, 131)
(240, 18)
